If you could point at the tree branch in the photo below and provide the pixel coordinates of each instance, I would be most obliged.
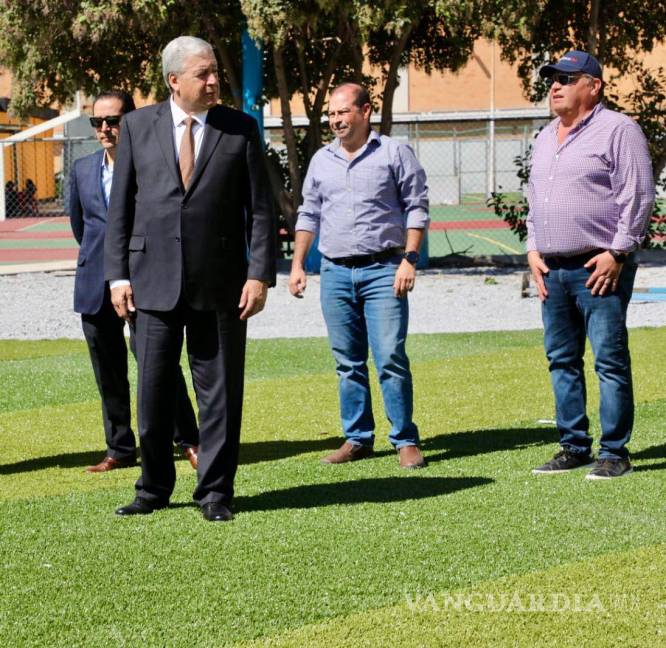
(658, 164)
(230, 72)
(305, 81)
(289, 133)
(314, 127)
(593, 29)
(392, 80)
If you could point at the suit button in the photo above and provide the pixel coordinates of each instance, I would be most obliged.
(177, 239)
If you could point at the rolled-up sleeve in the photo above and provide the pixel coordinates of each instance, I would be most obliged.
(633, 186)
(309, 213)
(411, 180)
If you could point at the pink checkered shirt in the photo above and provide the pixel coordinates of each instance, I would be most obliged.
(593, 191)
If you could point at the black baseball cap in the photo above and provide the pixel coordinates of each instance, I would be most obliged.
(573, 61)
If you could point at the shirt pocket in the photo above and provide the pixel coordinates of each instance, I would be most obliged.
(373, 181)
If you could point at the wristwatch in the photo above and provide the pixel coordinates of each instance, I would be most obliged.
(411, 257)
(620, 257)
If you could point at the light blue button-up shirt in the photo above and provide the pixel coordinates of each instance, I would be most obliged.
(366, 204)
(107, 178)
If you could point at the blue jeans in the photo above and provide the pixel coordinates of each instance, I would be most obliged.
(571, 312)
(359, 307)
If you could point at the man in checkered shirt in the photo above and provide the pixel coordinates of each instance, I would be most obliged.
(590, 194)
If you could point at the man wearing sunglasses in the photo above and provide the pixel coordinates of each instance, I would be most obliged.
(90, 187)
(590, 194)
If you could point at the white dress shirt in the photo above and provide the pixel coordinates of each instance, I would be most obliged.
(179, 117)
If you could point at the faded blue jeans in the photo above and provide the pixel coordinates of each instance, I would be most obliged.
(570, 313)
(360, 308)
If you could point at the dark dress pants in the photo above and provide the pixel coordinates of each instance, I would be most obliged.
(216, 352)
(104, 333)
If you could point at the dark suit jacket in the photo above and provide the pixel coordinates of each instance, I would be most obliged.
(203, 242)
(87, 212)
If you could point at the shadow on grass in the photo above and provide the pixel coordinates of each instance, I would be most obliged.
(359, 491)
(259, 451)
(475, 442)
(65, 460)
(653, 452)
(657, 466)
(249, 453)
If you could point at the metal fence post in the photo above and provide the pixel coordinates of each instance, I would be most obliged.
(253, 79)
(3, 207)
(458, 149)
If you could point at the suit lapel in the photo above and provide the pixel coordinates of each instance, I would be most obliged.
(211, 137)
(95, 180)
(164, 129)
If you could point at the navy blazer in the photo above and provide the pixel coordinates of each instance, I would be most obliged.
(87, 212)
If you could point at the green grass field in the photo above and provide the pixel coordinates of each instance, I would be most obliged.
(471, 551)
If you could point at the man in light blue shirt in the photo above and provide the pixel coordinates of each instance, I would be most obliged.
(366, 197)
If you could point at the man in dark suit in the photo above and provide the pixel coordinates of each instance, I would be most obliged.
(190, 246)
(90, 185)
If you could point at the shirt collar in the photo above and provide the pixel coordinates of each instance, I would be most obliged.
(595, 111)
(178, 114)
(107, 162)
(583, 122)
(335, 145)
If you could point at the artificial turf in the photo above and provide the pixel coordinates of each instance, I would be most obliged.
(473, 550)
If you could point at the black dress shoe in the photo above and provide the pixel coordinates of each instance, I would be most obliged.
(140, 506)
(216, 512)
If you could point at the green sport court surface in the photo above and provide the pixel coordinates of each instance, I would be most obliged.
(470, 228)
(36, 240)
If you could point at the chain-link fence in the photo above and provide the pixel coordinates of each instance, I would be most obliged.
(464, 162)
(36, 174)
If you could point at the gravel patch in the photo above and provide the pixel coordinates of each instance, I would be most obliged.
(39, 305)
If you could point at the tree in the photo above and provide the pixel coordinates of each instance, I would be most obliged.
(316, 44)
(530, 32)
(429, 34)
(309, 44)
(58, 47)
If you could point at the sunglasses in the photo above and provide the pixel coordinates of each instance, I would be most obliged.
(111, 121)
(563, 79)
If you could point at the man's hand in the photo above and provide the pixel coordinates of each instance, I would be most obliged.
(122, 299)
(253, 298)
(405, 277)
(606, 273)
(538, 268)
(297, 281)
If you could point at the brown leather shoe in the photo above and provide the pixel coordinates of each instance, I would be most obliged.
(348, 452)
(109, 463)
(192, 455)
(411, 457)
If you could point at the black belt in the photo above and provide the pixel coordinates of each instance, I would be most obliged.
(366, 259)
(572, 261)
